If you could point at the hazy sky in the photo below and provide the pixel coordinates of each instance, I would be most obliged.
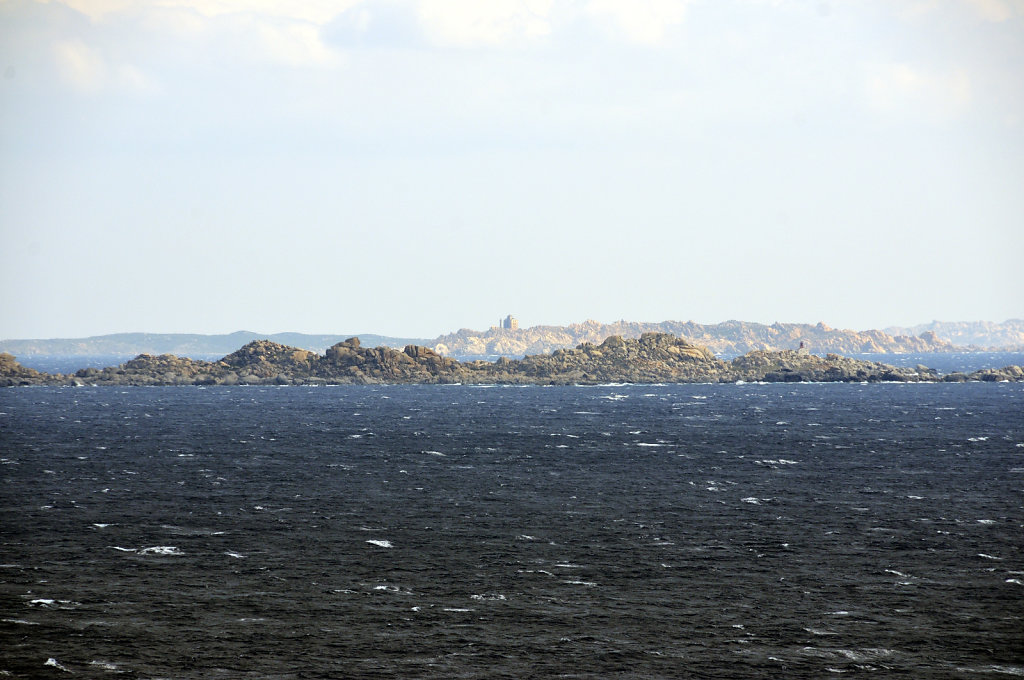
(411, 167)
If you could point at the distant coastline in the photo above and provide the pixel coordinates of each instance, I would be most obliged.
(651, 358)
(729, 338)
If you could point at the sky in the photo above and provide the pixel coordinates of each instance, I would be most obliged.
(412, 167)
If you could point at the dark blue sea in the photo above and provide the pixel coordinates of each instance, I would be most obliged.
(620, 531)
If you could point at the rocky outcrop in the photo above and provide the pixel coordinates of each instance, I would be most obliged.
(1007, 373)
(146, 369)
(651, 358)
(348, 362)
(654, 357)
(728, 338)
(13, 374)
(796, 366)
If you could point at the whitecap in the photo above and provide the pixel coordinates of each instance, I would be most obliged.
(489, 596)
(751, 500)
(1006, 670)
(107, 666)
(580, 583)
(161, 550)
(53, 662)
(117, 547)
(100, 526)
(1015, 580)
(989, 557)
(382, 544)
(435, 453)
(231, 553)
(455, 609)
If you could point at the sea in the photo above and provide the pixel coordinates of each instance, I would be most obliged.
(611, 531)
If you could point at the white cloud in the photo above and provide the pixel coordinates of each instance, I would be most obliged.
(288, 42)
(291, 32)
(988, 10)
(997, 10)
(310, 11)
(94, 9)
(86, 70)
(80, 65)
(475, 23)
(262, 30)
(641, 21)
(134, 79)
(903, 88)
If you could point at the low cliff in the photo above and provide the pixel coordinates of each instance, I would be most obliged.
(651, 358)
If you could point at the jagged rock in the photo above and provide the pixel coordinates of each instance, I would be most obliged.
(13, 374)
(795, 366)
(653, 357)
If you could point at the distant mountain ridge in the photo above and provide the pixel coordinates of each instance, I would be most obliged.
(726, 338)
(184, 344)
(1008, 335)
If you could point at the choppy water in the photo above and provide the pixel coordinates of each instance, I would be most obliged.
(714, 531)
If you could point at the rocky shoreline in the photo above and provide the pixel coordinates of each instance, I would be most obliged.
(651, 358)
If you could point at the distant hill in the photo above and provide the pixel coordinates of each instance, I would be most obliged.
(1008, 335)
(730, 338)
(727, 338)
(184, 344)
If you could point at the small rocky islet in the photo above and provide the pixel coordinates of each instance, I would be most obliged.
(651, 358)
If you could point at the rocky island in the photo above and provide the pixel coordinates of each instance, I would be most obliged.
(651, 358)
